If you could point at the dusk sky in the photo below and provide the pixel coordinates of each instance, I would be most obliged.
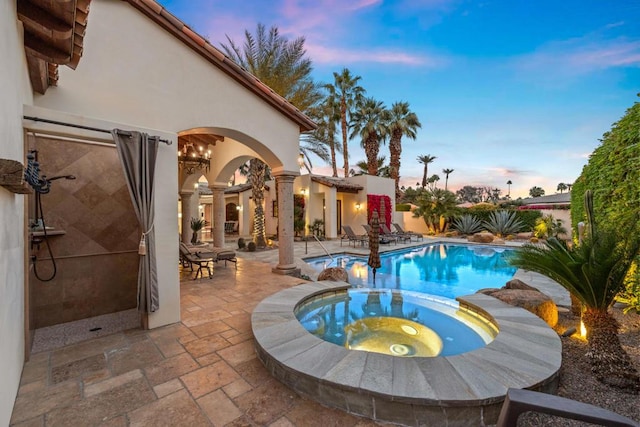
(505, 90)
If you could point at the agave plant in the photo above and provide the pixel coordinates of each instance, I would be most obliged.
(503, 222)
(594, 272)
(468, 224)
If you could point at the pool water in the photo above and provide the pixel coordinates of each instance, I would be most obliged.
(444, 270)
(398, 323)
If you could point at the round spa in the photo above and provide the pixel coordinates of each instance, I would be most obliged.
(403, 357)
(398, 323)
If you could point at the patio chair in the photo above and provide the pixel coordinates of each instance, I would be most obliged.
(202, 260)
(407, 233)
(383, 239)
(519, 401)
(353, 237)
(398, 236)
(224, 254)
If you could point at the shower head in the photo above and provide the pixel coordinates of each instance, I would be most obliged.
(61, 177)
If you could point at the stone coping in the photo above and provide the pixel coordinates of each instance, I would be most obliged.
(468, 387)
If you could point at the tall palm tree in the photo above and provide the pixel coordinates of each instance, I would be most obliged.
(349, 93)
(327, 116)
(402, 122)
(561, 187)
(425, 160)
(594, 272)
(369, 123)
(282, 65)
(446, 172)
(509, 184)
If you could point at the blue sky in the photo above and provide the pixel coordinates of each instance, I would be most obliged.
(505, 90)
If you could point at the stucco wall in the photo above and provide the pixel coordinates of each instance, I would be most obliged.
(159, 83)
(15, 91)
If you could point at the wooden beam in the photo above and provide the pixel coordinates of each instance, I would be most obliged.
(45, 51)
(42, 21)
(38, 74)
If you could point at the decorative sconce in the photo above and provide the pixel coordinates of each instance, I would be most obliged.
(358, 206)
(239, 208)
(303, 191)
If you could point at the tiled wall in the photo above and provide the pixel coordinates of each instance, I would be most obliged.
(97, 260)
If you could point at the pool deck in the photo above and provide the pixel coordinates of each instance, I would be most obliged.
(202, 370)
(459, 390)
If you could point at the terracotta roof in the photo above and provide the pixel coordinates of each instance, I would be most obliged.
(341, 184)
(53, 35)
(181, 31)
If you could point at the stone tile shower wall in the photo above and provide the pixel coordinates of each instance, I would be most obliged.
(97, 260)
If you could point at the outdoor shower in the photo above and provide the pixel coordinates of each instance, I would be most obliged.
(40, 185)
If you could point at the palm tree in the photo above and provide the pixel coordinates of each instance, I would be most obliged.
(349, 94)
(280, 64)
(433, 180)
(363, 168)
(594, 272)
(509, 184)
(425, 160)
(569, 186)
(329, 116)
(257, 171)
(536, 191)
(561, 187)
(369, 124)
(446, 172)
(402, 122)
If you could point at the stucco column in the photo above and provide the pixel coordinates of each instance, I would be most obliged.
(185, 202)
(286, 264)
(218, 215)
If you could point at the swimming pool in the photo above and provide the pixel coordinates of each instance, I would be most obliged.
(447, 270)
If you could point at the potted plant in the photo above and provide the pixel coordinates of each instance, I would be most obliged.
(197, 224)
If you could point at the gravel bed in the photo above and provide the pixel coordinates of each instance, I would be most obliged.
(576, 381)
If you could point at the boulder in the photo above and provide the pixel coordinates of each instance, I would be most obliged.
(336, 274)
(532, 300)
(498, 241)
(519, 284)
(481, 238)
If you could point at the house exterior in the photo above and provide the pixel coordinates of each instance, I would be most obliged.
(67, 64)
(556, 205)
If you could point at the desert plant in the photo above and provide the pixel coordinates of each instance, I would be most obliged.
(502, 223)
(251, 246)
(317, 228)
(594, 272)
(197, 224)
(241, 243)
(548, 226)
(467, 224)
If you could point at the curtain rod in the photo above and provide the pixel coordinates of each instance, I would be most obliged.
(55, 122)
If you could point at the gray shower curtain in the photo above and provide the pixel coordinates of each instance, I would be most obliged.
(138, 152)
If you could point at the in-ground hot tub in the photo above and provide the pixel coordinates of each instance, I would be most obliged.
(459, 389)
(394, 322)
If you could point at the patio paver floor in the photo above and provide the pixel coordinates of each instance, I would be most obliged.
(200, 371)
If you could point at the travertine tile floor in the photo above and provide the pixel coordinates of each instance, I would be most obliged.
(202, 371)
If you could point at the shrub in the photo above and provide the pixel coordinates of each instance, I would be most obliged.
(528, 218)
(468, 224)
(548, 226)
(502, 223)
(241, 243)
(403, 207)
(251, 246)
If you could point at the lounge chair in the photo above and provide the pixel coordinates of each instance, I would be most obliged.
(353, 237)
(202, 260)
(390, 234)
(384, 239)
(519, 401)
(399, 229)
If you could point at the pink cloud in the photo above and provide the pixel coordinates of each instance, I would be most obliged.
(331, 55)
